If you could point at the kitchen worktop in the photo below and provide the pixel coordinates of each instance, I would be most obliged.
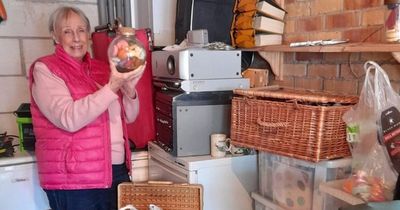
(19, 157)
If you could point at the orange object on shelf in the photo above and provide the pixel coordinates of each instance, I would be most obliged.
(348, 185)
(368, 188)
(3, 13)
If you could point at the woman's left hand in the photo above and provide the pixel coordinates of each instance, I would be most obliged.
(130, 79)
(129, 87)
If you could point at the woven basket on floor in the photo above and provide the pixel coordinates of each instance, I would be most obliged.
(167, 196)
(296, 123)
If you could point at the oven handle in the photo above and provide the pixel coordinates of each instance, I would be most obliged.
(170, 169)
(167, 85)
(160, 182)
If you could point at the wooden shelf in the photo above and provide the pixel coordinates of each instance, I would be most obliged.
(334, 188)
(347, 47)
(273, 54)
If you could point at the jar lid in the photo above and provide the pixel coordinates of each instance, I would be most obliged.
(392, 1)
(126, 31)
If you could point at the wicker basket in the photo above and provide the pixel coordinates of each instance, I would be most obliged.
(295, 123)
(165, 195)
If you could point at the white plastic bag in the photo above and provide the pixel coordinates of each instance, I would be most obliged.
(374, 177)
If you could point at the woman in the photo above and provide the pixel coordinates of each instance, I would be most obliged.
(79, 109)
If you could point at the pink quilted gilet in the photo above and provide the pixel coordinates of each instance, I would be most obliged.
(82, 159)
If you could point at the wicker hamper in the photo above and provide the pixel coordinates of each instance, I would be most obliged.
(296, 123)
(165, 195)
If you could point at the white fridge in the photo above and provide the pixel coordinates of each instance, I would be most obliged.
(227, 182)
(19, 181)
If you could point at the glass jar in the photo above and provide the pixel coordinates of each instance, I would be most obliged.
(393, 21)
(125, 51)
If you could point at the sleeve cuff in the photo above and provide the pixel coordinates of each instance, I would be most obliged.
(133, 95)
(108, 92)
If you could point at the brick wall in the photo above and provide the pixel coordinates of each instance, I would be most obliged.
(356, 20)
(23, 38)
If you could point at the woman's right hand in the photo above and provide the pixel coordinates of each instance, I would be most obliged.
(117, 79)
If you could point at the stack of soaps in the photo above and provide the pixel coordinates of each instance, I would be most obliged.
(257, 23)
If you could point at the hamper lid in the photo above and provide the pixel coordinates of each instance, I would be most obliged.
(165, 194)
(297, 94)
(392, 2)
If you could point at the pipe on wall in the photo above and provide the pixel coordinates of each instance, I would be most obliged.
(102, 9)
(119, 11)
(127, 13)
(109, 10)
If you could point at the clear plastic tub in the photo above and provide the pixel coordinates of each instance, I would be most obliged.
(293, 184)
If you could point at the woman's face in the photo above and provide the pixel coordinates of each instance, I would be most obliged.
(72, 34)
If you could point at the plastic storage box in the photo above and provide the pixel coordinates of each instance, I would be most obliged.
(25, 128)
(293, 184)
(261, 203)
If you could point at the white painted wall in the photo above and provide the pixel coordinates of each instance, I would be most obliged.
(159, 15)
(23, 38)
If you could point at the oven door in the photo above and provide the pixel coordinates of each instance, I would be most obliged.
(163, 170)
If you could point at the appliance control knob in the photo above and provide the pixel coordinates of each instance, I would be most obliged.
(171, 65)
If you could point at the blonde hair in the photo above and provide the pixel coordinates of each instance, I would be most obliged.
(62, 13)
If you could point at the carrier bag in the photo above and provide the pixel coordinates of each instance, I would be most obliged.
(243, 38)
(242, 32)
(373, 144)
(246, 31)
(245, 5)
(243, 20)
(142, 130)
